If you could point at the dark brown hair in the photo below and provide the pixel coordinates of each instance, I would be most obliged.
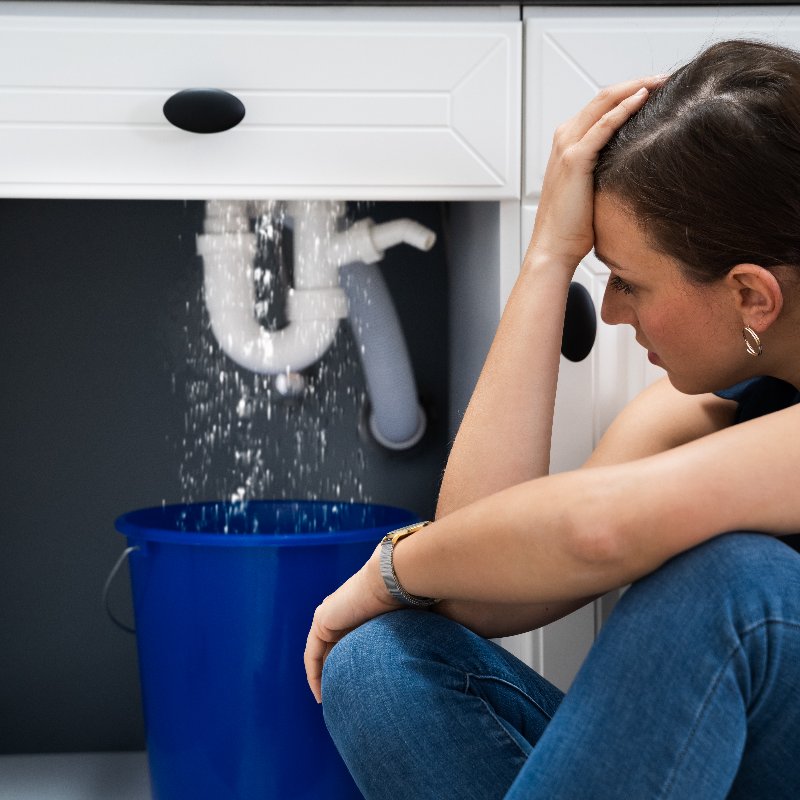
(710, 165)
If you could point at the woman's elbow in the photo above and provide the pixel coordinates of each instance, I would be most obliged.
(595, 533)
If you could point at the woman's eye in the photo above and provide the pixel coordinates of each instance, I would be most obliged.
(619, 285)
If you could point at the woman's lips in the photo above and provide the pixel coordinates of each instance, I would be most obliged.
(651, 356)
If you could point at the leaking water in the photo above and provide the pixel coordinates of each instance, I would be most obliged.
(242, 438)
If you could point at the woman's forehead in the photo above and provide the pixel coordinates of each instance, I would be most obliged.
(620, 241)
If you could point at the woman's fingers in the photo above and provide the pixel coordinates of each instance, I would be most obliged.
(316, 651)
(582, 154)
(604, 101)
(318, 645)
(604, 128)
(563, 229)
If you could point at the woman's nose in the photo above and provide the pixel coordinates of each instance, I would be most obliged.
(615, 309)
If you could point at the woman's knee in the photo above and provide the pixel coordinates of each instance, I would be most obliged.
(353, 663)
(742, 572)
(362, 660)
(360, 678)
(357, 656)
(386, 643)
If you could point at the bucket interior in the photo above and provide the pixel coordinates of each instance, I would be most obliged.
(260, 522)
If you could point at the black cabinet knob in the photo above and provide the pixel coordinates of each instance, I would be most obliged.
(204, 110)
(580, 324)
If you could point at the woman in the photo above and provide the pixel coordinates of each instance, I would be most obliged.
(688, 188)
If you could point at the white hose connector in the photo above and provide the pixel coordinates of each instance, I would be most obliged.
(366, 242)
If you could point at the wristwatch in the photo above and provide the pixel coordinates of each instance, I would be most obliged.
(393, 586)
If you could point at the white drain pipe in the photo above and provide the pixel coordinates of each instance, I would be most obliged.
(316, 302)
(314, 311)
(397, 420)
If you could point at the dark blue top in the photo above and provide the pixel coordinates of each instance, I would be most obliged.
(759, 396)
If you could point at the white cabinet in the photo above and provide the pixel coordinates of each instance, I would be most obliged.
(570, 53)
(421, 106)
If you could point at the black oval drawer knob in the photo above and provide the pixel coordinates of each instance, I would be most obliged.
(580, 324)
(204, 110)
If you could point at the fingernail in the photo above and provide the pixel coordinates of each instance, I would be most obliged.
(641, 93)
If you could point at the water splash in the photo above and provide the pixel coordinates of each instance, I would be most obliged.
(243, 439)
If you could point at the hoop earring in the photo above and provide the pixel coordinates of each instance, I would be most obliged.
(753, 347)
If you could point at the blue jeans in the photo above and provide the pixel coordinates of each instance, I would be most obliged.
(691, 692)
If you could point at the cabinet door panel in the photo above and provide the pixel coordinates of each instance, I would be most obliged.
(572, 53)
(335, 108)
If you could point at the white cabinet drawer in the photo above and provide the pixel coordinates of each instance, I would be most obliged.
(572, 53)
(334, 108)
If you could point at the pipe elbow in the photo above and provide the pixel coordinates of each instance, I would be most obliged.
(316, 303)
(230, 299)
(290, 349)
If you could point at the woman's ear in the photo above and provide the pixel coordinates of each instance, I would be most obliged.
(757, 295)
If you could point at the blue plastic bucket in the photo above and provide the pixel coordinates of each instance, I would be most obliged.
(223, 598)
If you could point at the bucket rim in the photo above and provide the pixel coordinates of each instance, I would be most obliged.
(132, 525)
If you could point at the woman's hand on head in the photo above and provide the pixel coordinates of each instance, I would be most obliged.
(563, 230)
(359, 599)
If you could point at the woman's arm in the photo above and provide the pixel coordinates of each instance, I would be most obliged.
(592, 530)
(504, 438)
(659, 419)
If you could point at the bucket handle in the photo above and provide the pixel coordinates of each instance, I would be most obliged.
(107, 587)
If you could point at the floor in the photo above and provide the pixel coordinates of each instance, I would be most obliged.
(75, 776)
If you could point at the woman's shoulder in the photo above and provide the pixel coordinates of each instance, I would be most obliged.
(659, 419)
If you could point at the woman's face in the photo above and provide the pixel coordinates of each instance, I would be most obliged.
(691, 331)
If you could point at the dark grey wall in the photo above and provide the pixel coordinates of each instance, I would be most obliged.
(103, 333)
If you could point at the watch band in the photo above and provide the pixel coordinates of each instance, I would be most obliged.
(387, 567)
